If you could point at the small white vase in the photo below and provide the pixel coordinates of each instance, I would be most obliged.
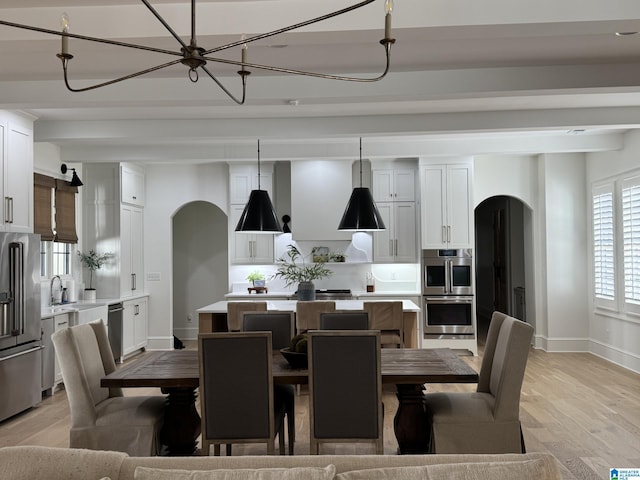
(90, 294)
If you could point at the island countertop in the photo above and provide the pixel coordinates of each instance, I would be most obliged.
(290, 305)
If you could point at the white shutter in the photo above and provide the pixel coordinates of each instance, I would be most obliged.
(603, 245)
(631, 240)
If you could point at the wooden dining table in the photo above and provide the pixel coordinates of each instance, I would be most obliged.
(176, 373)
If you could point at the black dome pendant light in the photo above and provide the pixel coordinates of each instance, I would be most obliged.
(361, 213)
(258, 215)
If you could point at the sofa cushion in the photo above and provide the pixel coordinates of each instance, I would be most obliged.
(295, 473)
(540, 469)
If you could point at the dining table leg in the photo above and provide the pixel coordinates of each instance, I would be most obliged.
(182, 425)
(411, 423)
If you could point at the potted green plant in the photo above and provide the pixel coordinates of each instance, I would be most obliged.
(93, 261)
(256, 278)
(294, 270)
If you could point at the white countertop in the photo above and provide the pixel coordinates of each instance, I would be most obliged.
(286, 294)
(50, 311)
(290, 305)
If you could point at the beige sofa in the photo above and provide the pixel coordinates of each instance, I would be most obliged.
(44, 463)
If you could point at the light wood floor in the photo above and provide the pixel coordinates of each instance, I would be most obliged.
(582, 409)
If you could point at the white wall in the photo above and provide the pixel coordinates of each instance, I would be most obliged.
(554, 187)
(518, 176)
(168, 188)
(566, 252)
(613, 336)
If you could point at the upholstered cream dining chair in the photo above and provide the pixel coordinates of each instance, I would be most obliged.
(487, 420)
(102, 418)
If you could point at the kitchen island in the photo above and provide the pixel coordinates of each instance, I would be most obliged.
(213, 317)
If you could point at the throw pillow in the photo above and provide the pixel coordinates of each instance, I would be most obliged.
(294, 473)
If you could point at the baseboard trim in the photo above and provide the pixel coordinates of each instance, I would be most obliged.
(622, 358)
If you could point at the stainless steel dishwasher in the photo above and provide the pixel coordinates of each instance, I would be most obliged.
(115, 330)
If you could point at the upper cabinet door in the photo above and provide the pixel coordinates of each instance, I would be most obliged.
(132, 186)
(16, 146)
(394, 184)
(244, 178)
(447, 209)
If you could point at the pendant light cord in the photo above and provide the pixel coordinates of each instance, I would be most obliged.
(360, 161)
(259, 164)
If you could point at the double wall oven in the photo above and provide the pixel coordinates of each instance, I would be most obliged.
(447, 293)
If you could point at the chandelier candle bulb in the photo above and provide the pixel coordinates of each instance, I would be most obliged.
(64, 20)
(244, 50)
(388, 8)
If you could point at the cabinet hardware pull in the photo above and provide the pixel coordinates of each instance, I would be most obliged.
(396, 247)
(448, 233)
(11, 210)
(133, 281)
(391, 248)
(444, 234)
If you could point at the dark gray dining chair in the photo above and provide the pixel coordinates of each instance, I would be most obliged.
(236, 391)
(345, 388)
(281, 326)
(344, 320)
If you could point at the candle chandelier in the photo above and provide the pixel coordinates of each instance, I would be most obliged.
(195, 58)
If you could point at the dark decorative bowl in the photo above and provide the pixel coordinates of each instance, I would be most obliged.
(295, 359)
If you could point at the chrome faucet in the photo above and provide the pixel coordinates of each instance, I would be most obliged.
(53, 298)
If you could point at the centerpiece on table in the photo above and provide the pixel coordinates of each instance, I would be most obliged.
(294, 270)
(93, 261)
(296, 352)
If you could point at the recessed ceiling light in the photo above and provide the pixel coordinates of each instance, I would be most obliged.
(625, 34)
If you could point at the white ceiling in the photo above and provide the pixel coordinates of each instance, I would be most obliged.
(467, 76)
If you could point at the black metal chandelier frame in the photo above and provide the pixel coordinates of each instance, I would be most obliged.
(195, 57)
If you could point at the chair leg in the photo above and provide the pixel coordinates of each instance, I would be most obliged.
(229, 447)
(523, 448)
(216, 449)
(281, 438)
(291, 426)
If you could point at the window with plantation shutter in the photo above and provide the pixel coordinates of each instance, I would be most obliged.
(631, 240)
(604, 257)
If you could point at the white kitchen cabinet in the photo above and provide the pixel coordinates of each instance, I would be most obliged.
(397, 184)
(60, 322)
(244, 177)
(245, 248)
(16, 159)
(132, 185)
(398, 243)
(447, 208)
(114, 227)
(134, 325)
(131, 250)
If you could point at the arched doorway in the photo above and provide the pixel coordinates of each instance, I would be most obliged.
(503, 259)
(200, 263)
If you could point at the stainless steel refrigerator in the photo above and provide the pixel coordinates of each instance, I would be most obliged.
(20, 349)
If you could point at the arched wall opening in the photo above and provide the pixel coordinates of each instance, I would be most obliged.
(200, 263)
